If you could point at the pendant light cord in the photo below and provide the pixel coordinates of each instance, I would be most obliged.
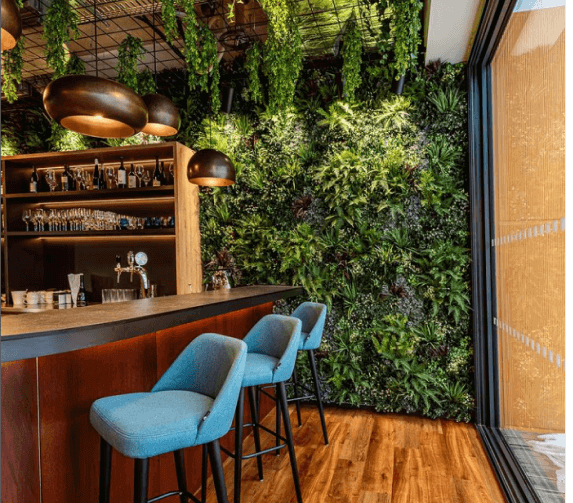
(95, 37)
(154, 48)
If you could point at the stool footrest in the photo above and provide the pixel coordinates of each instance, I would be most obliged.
(174, 493)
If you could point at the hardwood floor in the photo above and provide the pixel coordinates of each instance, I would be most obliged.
(372, 458)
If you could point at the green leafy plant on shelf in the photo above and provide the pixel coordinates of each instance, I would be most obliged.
(60, 27)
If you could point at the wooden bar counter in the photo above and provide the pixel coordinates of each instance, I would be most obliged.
(55, 364)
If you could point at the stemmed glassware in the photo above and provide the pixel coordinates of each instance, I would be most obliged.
(146, 177)
(51, 179)
(26, 217)
(111, 177)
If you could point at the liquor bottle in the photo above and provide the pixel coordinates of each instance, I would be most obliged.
(95, 181)
(121, 176)
(132, 178)
(163, 177)
(34, 181)
(157, 174)
(102, 184)
(65, 179)
(71, 180)
(82, 301)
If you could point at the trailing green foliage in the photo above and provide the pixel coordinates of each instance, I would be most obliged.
(169, 16)
(282, 54)
(60, 26)
(352, 57)
(128, 53)
(208, 67)
(252, 65)
(75, 66)
(12, 66)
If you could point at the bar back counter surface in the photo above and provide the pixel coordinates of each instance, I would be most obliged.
(56, 363)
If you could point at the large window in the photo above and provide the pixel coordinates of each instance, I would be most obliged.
(523, 170)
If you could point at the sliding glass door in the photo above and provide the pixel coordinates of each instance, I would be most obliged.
(516, 76)
(528, 239)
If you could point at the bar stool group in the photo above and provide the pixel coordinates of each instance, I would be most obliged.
(194, 402)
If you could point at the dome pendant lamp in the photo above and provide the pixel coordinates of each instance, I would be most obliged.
(163, 117)
(95, 106)
(211, 168)
(11, 24)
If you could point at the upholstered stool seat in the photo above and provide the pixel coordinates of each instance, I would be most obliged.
(272, 347)
(192, 404)
(142, 425)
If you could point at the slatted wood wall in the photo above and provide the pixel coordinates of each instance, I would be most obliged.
(529, 184)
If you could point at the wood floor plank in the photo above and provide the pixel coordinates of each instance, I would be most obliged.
(405, 460)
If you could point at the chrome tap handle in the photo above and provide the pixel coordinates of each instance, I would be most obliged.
(118, 266)
(130, 259)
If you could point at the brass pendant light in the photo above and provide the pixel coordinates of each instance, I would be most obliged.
(11, 24)
(212, 168)
(95, 106)
(163, 117)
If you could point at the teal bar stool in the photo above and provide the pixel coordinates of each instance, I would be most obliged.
(272, 348)
(313, 317)
(192, 404)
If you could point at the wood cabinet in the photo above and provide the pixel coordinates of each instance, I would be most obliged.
(42, 259)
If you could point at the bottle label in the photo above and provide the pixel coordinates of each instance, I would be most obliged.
(132, 181)
(156, 182)
(33, 187)
(64, 182)
(121, 176)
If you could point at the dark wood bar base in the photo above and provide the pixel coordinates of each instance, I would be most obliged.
(50, 452)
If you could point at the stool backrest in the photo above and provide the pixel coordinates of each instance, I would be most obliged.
(278, 336)
(313, 317)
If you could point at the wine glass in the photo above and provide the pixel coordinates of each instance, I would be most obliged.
(111, 177)
(146, 177)
(51, 179)
(171, 173)
(26, 217)
(79, 178)
(139, 171)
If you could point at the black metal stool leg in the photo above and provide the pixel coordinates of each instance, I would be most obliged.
(297, 402)
(290, 442)
(140, 480)
(105, 451)
(217, 469)
(204, 474)
(278, 423)
(255, 421)
(318, 393)
(181, 476)
(239, 444)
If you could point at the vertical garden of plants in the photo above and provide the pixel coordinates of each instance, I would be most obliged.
(344, 188)
(364, 205)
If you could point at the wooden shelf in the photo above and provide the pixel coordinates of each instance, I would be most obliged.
(162, 231)
(83, 195)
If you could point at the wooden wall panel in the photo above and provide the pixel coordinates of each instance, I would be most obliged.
(69, 383)
(20, 457)
(529, 185)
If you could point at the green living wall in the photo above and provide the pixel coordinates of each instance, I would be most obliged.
(365, 206)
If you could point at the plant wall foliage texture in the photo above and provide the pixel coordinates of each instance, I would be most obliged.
(365, 206)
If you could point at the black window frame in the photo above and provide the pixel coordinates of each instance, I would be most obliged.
(513, 481)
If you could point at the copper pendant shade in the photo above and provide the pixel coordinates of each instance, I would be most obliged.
(11, 24)
(163, 116)
(95, 106)
(211, 168)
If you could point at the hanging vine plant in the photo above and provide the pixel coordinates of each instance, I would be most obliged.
(169, 17)
(208, 66)
(282, 53)
(145, 82)
(352, 58)
(60, 26)
(253, 65)
(191, 41)
(12, 71)
(75, 66)
(130, 49)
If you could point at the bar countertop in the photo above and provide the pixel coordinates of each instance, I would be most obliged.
(58, 331)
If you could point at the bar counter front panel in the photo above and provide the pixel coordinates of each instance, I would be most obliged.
(50, 452)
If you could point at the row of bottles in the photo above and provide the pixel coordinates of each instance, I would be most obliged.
(71, 182)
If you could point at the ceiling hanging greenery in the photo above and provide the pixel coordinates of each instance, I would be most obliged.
(352, 58)
(60, 26)
(282, 53)
(12, 66)
(253, 65)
